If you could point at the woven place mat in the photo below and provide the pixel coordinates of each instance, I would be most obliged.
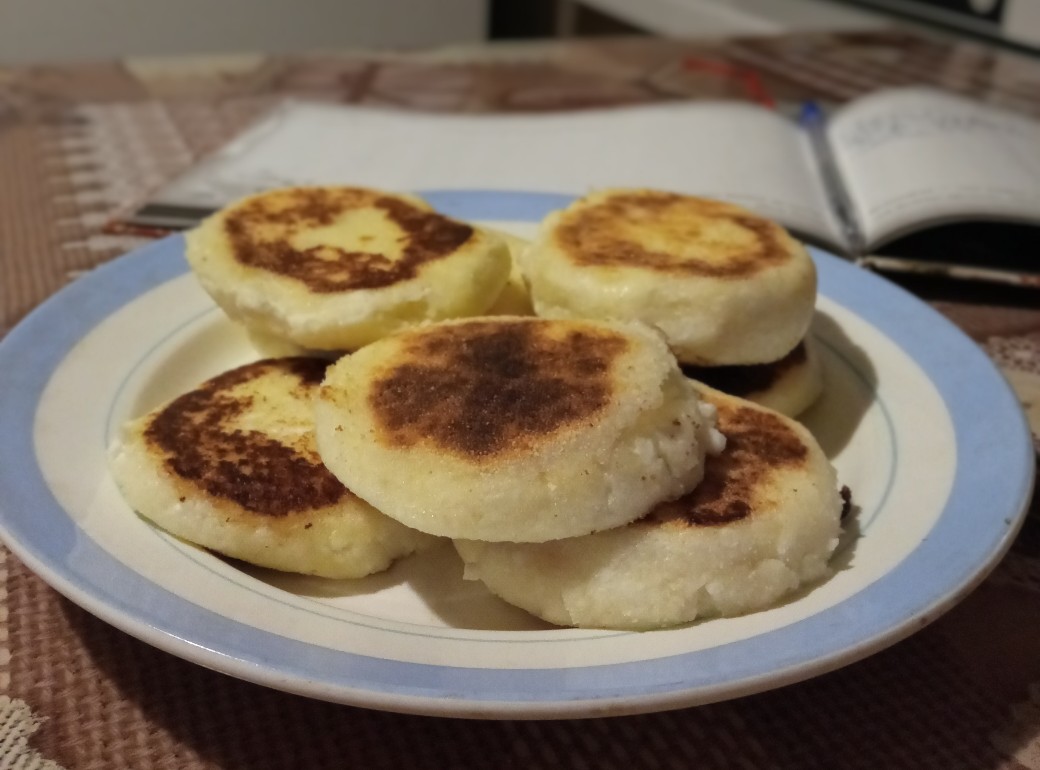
(80, 145)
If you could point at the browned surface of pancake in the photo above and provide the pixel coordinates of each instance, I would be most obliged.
(327, 268)
(195, 437)
(591, 236)
(758, 442)
(743, 380)
(485, 389)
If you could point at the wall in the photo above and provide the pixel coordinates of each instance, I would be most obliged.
(83, 29)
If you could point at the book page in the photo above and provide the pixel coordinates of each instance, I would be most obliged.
(916, 157)
(737, 152)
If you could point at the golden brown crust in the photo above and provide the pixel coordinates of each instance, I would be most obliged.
(198, 443)
(487, 388)
(607, 234)
(260, 230)
(736, 482)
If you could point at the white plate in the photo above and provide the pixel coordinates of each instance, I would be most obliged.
(918, 422)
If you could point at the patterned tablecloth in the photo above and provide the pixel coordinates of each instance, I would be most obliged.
(81, 145)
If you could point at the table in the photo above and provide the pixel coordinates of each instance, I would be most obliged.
(82, 145)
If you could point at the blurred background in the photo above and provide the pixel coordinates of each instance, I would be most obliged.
(84, 29)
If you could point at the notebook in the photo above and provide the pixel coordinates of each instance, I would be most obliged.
(917, 176)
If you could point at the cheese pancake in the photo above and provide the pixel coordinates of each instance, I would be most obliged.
(789, 386)
(232, 466)
(724, 285)
(334, 268)
(514, 428)
(763, 522)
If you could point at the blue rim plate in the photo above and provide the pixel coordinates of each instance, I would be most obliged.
(919, 423)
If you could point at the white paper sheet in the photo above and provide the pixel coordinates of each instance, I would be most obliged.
(726, 150)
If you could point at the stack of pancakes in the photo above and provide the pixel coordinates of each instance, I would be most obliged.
(534, 403)
(733, 293)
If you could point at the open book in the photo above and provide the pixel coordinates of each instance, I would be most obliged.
(877, 173)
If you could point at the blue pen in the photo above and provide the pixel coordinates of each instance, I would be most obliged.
(814, 121)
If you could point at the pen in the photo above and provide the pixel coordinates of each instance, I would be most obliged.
(813, 120)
